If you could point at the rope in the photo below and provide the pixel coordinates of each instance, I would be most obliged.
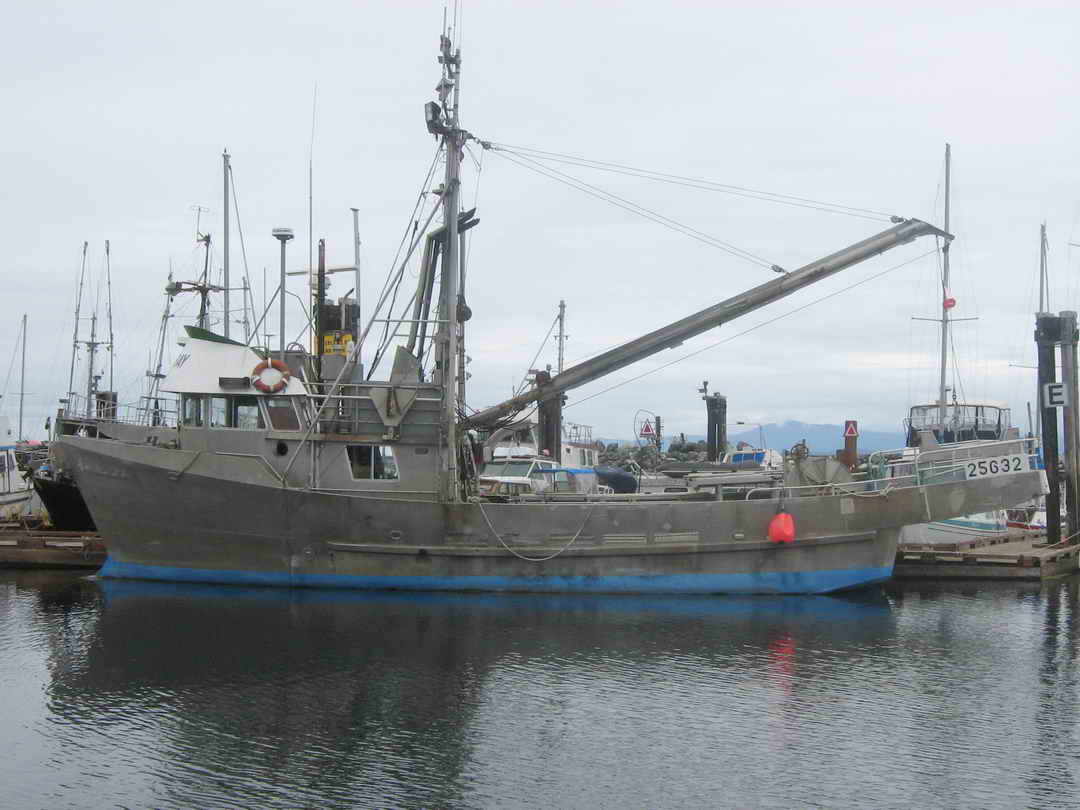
(552, 556)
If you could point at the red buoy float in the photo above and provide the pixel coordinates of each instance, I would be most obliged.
(782, 528)
(270, 376)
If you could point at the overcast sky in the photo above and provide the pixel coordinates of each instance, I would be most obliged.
(117, 113)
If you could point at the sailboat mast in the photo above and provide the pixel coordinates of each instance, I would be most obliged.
(945, 292)
(225, 239)
(75, 339)
(22, 378)
(1044, 305)
(1044, 302)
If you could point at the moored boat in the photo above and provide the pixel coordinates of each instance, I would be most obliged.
(283, 474)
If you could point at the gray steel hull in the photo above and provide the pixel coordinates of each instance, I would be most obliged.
(178, 515)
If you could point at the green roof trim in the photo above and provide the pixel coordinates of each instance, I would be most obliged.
(205, 334)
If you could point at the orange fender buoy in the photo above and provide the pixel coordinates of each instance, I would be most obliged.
(782, 528)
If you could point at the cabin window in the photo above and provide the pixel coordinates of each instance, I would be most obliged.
(245, 413)
(372, 462)
(282, 414)
(192, 410)
(219, 412)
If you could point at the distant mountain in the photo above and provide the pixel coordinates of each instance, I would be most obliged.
(821, 439)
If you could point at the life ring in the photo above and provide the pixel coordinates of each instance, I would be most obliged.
(277, 370)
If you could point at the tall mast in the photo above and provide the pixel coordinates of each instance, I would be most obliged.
(225, 239)
(562, 334)
(1044, 305)
(75, 339)
(443, 119)
(22, 378)
(945, 292)
(356, 263)
(108, 310)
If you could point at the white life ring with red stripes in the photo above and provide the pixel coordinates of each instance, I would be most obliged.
(270, 376)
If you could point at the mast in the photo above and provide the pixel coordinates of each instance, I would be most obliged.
(22, 378)
(1044, 305)
(356, 263)
(225, 241)
(945, 294)
(75, 339)
(562, 334)
(247, 323)
(108, 310)
(91, 351)
(442, 119)
(1044, 302)
(204, 287)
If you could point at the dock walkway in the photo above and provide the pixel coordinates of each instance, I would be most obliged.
(30, 545)
(1017, 555)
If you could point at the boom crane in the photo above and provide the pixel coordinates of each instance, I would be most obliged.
(548, 391)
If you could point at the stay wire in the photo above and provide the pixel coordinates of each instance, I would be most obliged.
(543, 343)
(635, 208)
(749, 330)
(693, 182)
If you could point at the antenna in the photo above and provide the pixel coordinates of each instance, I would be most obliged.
(199, 211)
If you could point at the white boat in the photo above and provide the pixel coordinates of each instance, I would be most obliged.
(15, 491)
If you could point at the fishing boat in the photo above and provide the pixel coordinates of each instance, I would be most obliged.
(289, 471)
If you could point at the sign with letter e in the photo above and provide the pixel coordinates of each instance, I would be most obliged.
(1055, 395)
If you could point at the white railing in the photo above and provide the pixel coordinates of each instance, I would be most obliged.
(893, 469)
(162, 413)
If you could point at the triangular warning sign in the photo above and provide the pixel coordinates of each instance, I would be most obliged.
(851, 429)
(647, 429)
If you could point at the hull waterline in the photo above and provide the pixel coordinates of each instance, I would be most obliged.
(181, 516)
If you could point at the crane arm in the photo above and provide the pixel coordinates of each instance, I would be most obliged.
(674, 334)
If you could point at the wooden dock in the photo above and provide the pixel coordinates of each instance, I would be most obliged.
(1019, 555)
(28, 544)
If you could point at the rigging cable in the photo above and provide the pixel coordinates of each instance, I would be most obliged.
(243, 250)
(635, 208)
(543, 343)
(747, 331)
(692, 182)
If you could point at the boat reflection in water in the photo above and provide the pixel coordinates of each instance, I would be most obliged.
(169, 695)
(234, 696)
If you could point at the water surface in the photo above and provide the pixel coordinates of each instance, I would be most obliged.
(127, 694)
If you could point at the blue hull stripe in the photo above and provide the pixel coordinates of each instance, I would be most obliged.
(794, 582)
